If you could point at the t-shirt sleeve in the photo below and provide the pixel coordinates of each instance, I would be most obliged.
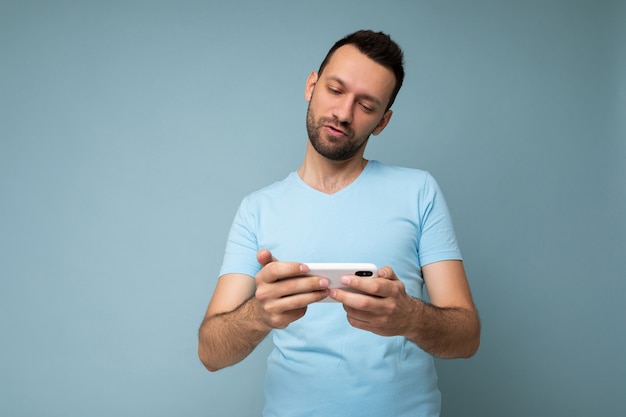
(437, 240)
(242, 246)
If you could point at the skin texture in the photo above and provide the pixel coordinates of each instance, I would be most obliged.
(347, 104)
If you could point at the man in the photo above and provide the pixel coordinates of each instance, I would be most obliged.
(370, 353)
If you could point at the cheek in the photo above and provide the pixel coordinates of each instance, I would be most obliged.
(369, 125)
(380, 124)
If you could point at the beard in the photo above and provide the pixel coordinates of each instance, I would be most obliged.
(333, 148)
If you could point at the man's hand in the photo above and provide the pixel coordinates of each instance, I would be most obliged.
(447, 328)
(283, 292)
(386, 309)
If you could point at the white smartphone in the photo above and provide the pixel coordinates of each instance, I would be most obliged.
(334, 271)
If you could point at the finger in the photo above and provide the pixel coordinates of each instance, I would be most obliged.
(302, 285)
(276, 271)
(379, 287)
(299, 301)
(387, 272)
(264, 257)
(356, 301)
(370, 286)
(291, 294)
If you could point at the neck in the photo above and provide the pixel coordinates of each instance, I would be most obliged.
(330, 176)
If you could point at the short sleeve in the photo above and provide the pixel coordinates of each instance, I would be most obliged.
(437, 240)
(242, 246)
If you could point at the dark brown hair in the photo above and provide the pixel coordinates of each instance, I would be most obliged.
(377, 46)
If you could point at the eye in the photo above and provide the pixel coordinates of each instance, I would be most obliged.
(366, 107)
(334, 90)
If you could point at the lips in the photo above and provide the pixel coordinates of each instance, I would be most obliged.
(335, 130)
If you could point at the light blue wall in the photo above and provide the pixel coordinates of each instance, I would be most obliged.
(129, 131)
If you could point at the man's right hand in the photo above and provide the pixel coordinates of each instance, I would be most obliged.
(283, 292)
(238, 319)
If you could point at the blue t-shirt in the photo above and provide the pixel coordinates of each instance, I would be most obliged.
(322, 366)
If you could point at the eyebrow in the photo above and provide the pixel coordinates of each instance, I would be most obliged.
(367, 97)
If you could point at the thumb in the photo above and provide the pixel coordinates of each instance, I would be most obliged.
(264, 257)
(387, 272)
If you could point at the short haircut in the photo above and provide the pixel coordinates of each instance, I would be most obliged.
(377, 46)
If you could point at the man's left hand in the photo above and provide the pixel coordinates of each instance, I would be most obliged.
(385, 308)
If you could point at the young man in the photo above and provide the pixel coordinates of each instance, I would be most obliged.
(369, 353)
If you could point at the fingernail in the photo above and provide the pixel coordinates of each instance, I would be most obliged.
(345, 279)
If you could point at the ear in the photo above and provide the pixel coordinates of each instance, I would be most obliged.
(310, 85)
(383, 122)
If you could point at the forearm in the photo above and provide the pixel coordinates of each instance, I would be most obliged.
(444, 332)
(227, 338)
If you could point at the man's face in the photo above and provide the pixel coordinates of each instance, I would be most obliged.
(347, 103)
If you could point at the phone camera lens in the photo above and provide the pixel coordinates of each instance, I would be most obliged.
(363, 273)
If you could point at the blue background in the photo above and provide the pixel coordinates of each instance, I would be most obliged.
(130, 130)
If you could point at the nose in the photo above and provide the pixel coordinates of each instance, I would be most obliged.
(343, 110)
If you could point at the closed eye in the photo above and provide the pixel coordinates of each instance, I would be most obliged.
(366, 108)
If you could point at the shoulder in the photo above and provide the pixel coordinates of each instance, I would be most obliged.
(401, 175)
(271, 191)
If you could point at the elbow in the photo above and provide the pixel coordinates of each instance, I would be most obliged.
(463, 351)
(472, 348)
(468, 345)
(210, 368)
(473, 342)
(206, 354)
(209, 359)
(206, 360)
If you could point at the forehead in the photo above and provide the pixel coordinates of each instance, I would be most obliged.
(359, 72)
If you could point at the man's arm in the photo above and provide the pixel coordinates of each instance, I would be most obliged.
(243, 311)
(231, 328)
(449, 327)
